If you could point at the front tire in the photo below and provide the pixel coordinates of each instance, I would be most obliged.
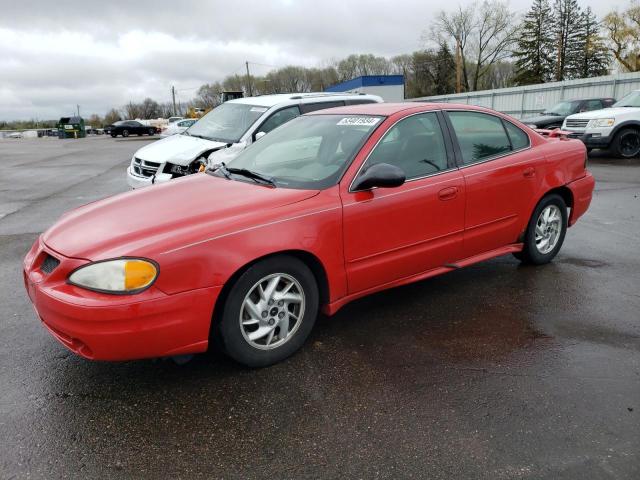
(626, 143)
(269, 312)
(125, 133)
(545, 232)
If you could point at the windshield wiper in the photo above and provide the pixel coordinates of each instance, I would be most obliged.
(227, 171)
(258, 177)
(222, 168)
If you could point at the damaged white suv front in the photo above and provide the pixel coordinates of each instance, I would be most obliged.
(617, 128)
(225, 131)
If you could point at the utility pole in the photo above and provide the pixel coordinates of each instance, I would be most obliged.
(78, 109)
(458, 67)
(248, 79)
(173, 96)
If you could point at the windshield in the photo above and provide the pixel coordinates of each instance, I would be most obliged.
(308, 152)
(562, 109)
(227, 122)
(629, 100)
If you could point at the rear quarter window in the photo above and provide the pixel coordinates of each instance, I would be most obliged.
(519, 139)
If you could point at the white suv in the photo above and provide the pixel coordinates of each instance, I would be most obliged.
(617, 127)
(226, 130)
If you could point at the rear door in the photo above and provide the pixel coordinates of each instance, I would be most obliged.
(501, 175)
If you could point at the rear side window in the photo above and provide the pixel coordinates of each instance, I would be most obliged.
(480, 136)
(359, 101)
(278, 118)
(519, 139)
(312, 107)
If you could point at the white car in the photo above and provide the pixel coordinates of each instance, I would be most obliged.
(177, 127)
(226, 130)
(617, 127)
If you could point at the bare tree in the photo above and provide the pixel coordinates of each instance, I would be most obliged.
(484, 34)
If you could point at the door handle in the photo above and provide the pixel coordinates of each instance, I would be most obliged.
(448, 193)
(529, 172)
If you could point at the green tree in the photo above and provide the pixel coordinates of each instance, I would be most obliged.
(534, 52)
(567, 21)
(623, 31)
(592, 57)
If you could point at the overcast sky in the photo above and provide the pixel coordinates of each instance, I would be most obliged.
(55, 54)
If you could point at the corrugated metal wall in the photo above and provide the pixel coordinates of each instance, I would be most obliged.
(526, 101)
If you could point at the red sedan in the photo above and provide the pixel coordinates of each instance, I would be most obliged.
(330, 207)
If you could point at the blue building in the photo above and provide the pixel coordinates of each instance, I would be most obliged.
(389, 87)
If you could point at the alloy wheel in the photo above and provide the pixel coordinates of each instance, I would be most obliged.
(548, 229)
(272, 311)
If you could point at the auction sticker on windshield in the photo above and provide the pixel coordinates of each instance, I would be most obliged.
(359, 121)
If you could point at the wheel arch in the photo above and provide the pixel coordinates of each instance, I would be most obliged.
(626, 124)
(308, 258)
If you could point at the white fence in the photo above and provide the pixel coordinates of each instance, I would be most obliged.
(525, 101)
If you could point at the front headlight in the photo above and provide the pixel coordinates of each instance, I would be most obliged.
(601, 122)
(121, 276)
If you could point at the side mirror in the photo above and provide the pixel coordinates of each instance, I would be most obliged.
(259, 135)
(380, 175)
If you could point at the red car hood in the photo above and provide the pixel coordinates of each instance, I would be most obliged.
(199, 205)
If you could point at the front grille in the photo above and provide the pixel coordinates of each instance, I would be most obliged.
(49, 264)
(577, 123)
(144, 168)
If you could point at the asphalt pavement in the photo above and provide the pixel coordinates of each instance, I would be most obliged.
(496, 371)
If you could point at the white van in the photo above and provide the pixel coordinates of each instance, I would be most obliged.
(226, 130)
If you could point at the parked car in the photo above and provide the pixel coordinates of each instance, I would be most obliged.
(554, 116)
(174, 119)
(129, 127)
(178, 127)
(225, 131)
(617, 128)
(328, 208)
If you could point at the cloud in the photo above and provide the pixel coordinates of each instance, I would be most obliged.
(103, 54)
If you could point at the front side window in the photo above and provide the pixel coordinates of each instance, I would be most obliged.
(590, 105)
(309, 152)
(415, 145)
(227, 123)
(279, 118)
(480, 136)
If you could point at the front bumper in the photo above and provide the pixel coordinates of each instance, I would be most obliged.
(136, 181)
(116, 327)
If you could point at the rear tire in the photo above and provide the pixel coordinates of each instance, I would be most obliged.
(626, 143)
(269, 312)
(152, 131)
(545, 232)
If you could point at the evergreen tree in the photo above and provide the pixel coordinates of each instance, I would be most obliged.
(592, 58)
(445, 64)
(534, 52)
(567, 20)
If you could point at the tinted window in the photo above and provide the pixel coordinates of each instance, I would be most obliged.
(414, 144)
(278, 118)
(312, 107)
(480, 136)
(359, 102)
(591, 105)
(518, 138)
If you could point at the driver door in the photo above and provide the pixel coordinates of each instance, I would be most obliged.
(394, 233)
